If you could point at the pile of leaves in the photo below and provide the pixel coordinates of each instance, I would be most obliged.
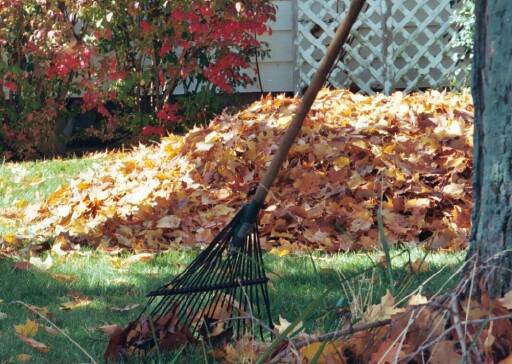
(447, 329)
(411, 155)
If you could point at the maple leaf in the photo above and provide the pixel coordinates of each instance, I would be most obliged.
(27, 329)
(383, 310)
(417, 148)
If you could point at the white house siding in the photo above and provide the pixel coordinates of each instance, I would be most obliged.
(276, 71)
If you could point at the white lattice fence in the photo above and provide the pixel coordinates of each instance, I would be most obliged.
(395, 44)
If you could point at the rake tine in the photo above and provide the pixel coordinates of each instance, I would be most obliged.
(226, 266)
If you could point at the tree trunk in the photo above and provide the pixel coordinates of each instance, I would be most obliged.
(491, 233)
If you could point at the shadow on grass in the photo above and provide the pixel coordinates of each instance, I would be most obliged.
(295, 282)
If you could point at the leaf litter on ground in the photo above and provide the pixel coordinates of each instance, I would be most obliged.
(413, 150)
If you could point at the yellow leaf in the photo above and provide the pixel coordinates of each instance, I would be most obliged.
(75, 304)
(331, 353)
(27, 329)
(23, 357)
(21, 204)
(10, 238)
(279, 251)
(341, 162)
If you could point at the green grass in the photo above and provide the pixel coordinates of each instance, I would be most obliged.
(295, 282)
(34, 181)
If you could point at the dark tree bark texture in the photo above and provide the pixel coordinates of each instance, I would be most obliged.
(491, 234)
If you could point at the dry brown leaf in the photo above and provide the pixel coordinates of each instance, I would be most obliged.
(355, 144)
(388, 352)
(64, 277)
(418, 266)
(39, 346)
(23, 265)
(445, 352)
(381, 311)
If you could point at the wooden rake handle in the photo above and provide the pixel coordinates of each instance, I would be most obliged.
(309, 97)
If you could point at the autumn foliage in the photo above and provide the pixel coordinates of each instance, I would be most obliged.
(125, 59)
(410, 153)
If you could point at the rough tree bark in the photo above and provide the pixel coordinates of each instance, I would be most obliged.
(491, 234)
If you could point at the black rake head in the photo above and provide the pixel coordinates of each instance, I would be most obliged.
(221, 294)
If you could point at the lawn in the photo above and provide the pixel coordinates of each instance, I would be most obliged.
(111, 284)
(82, 291)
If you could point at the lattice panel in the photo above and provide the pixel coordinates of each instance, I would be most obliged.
(395, 44)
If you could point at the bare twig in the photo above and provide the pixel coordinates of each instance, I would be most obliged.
(458, 326)
(332, 335)
(446, 332)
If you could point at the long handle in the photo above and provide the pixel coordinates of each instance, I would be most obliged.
(309, 97)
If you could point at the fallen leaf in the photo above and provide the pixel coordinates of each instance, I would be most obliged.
(381, 311)
(3, 315)
(64, 277)
(41, 265)
(417, 299)
(389, 351)
(418, 266)
(27, 329)
(51, 330)
(142, 257)
(39, 346)
(279, 251)
(23, 265)
(284, 324)
(331, 352)
(168, 222)
(506, 300)
(23, 357)
(445, 352)
(75, 304)
(110, 329)
(123, 309)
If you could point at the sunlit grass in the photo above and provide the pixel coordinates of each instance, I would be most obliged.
(30, 182)
(295, 282)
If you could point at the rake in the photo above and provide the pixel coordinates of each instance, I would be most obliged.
(224, 292)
